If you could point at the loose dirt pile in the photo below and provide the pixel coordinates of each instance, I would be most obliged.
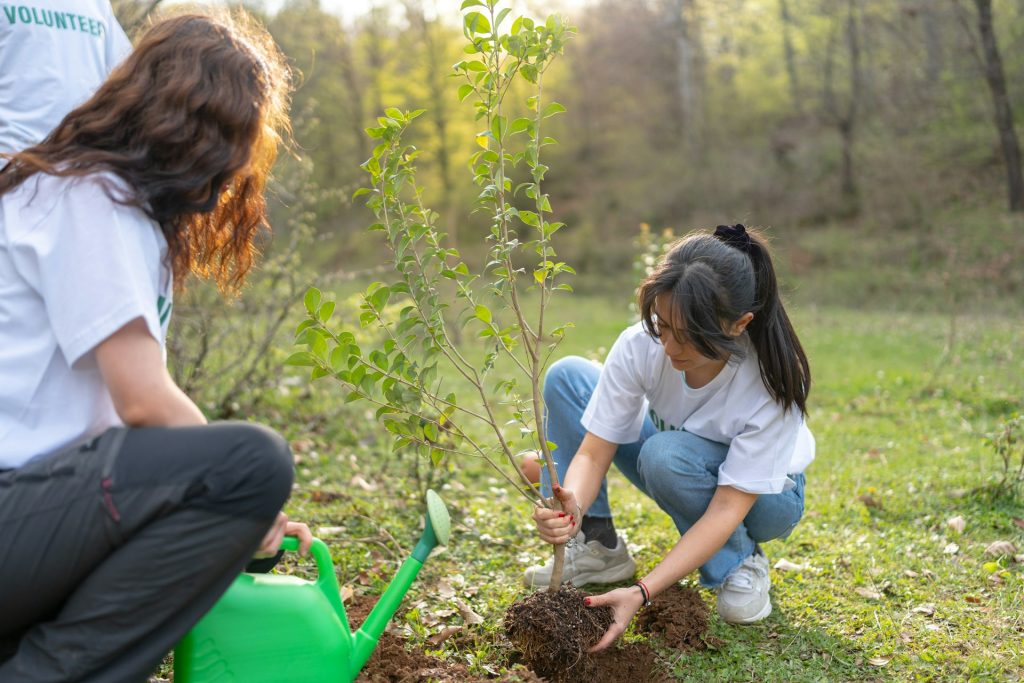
(553, 633)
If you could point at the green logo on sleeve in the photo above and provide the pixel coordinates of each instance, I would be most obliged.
(64, 21)
(163, 309)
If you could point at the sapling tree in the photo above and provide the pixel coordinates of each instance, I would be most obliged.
(443, 398)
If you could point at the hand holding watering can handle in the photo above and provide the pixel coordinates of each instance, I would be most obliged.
(326, 580)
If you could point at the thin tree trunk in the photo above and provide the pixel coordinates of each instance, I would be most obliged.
(438, 103)
(790, 53)
(848, 127)
(682, 17)
(353, 84)
(934, 57)
(1001, 104)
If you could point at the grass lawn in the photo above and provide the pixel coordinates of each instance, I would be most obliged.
(887, 590)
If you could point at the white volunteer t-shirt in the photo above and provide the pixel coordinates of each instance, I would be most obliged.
(765, 443)
(75, 267)
(53, 56)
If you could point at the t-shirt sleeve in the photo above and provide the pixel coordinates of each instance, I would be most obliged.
(615, 411)
(86, 257)
(759, 456)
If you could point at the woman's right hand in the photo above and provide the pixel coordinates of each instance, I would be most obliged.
(558, 526)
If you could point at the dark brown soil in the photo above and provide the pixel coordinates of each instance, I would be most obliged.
(553, 631)
(392, 662)
(679, 617)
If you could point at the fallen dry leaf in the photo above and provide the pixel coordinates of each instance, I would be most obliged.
(301, 445)
(927, 609)
(1000, 548)
(957, 524)
(445, 633)
(330, 530)
(346, 593)
(1019, 522)
(359, 481)
(910, 574)
(471, 617)
(1019, 559)
(973, 599)
(787, 566)
(879, 661)
(445, 590)
(321, 496)
(951, 549)
(870, 501)
(867, 593)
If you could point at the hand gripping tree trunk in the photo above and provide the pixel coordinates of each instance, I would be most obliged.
(455, 412)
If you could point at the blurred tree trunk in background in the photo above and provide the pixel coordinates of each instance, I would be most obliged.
(787, 44)
(437, 80)
(354, 86)
(934, 57)
(1001, 104)
(845, 116)
(682, 17)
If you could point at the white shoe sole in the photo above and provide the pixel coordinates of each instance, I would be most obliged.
(763, 614)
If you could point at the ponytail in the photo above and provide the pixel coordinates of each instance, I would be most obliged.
(717, 279)
(784, 366)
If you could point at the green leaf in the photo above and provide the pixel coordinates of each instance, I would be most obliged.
(312, 300)
(300, 358)
(476, 23)
(317, 373)
(519, 125)
(325, 312)
(498, 127)
(483, 313)
(552, 109)
(465, 90)
(436, 455)
(466, 4)
(395, 114)
(530, 218)
(501, 16)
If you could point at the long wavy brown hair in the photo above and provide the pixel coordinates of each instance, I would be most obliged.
(191, 122)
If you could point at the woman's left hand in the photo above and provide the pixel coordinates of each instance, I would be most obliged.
(278, 530)
(625, 602)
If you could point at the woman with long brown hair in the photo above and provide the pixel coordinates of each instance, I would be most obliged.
(123, 515)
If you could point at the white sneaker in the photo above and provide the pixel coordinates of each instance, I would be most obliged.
(586, 562)
(743, 597)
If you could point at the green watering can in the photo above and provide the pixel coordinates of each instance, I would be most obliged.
(271, 628)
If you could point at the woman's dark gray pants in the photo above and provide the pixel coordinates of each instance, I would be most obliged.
(111, 551)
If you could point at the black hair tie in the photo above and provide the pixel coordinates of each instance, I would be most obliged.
(735, 236)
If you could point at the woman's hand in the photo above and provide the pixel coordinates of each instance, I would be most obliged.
(281, 527)
(555, 526)
(625, 602)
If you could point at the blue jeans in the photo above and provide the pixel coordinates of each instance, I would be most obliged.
(678, 470)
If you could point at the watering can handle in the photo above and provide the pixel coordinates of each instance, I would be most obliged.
(326, 580)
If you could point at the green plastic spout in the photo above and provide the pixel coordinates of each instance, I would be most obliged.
(436, 532)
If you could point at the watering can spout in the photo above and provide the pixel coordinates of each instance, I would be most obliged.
(436, 532)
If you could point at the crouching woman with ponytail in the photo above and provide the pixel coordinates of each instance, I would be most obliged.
(701, 406)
